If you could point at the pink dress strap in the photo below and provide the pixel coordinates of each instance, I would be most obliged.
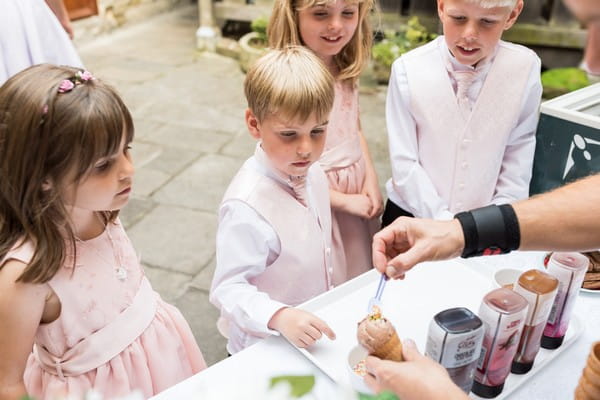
(103, 345)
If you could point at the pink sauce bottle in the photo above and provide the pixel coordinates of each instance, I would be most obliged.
(503, 313)
(539, 289)
(569, 269)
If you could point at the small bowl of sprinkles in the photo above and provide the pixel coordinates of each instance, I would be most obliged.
(357, 369)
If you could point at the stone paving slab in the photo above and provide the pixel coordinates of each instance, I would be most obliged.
(202, 317)
(202, 185)
(175, 238)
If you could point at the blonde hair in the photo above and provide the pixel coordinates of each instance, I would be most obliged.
(292, 82)
(45, 138)
(494, 3)
(283, 30)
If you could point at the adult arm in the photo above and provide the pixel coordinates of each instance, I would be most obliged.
(59, 9)
(21, 309)
(517, 162)
(566, 219)
(412, 187)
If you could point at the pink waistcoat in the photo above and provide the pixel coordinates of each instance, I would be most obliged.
(463, 157)
(303, 268)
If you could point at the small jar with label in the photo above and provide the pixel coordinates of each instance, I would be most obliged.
(503, 313)
(569, 269)
(539, 289)
(454, 340)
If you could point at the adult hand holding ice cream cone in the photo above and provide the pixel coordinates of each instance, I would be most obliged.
(405, 379)
(300, 327)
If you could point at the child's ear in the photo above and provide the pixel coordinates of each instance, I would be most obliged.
(514, 14)
(440, 8)
(252, 123)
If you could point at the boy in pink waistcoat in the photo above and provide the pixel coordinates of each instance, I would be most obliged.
(274, 234)
(461, 115)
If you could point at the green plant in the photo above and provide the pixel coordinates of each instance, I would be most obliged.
(259, 25)
(559, 81)
(396, 43)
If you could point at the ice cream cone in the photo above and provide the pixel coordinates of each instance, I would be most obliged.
(589, 388)
(390, 350)
(580, 394)
(378, 336)
(593, 360)
(591, 376)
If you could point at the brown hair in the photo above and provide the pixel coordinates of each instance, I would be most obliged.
(45, 136)
(283, 30)
(292, 82)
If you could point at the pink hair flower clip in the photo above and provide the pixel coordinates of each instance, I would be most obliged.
(84, 76)
(66, 86)
(80, 78)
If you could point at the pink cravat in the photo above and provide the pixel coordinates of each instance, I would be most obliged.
(464, 79)
(298, 185)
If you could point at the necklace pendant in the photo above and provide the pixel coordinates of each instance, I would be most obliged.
(121, 273)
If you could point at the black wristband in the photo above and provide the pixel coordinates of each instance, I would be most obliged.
(489, 230)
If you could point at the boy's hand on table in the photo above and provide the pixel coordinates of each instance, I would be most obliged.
(300, 327)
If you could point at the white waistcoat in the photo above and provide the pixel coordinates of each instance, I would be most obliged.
(303, 268)
(463, 157)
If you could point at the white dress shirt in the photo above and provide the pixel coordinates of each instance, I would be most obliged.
(410, 186)
(256, 247)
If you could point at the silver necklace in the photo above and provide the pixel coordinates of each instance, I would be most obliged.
(120, 271)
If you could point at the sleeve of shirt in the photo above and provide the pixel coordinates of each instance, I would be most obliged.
(410, 182)
(246, 245)
(517, 163)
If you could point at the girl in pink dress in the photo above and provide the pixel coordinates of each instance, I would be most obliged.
(77, 311)
(339, 33)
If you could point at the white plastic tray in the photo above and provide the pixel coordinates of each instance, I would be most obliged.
(409, 305)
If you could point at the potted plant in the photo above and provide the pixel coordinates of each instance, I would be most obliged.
(396, 43)
(254, 43)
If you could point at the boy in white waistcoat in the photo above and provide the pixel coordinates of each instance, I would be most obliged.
(274, 234)
(461, 115)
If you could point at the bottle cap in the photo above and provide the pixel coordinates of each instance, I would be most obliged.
(552, 342)
(521, 368)
(485, 391)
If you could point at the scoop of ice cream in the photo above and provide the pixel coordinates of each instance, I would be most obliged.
(379, 337)
(374, 331)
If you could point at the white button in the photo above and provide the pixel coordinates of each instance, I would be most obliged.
(328, 251)
(330, 270)
(332, 286)
(461, 186)
(464, 165)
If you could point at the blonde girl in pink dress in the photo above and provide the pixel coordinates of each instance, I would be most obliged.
(77, 311)
(339, 33)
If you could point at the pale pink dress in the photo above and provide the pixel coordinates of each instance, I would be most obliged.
(113, 335)
(344, 165)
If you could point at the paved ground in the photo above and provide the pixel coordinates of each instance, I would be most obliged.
(190, 140)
